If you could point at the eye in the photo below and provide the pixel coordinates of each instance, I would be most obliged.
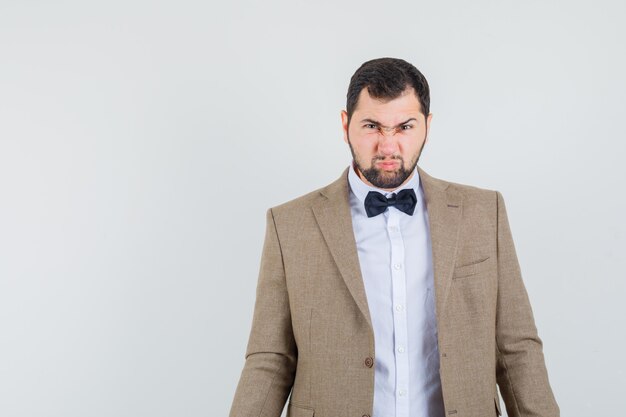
(407, 127)
(370, 126)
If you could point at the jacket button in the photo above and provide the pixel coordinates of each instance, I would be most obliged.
(366, 415)
(369, 362)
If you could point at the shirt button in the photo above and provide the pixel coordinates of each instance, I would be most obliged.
(402, 392)
(399, 307)
(369, 361)
(397, 266)
(401, 349)
(393, 228)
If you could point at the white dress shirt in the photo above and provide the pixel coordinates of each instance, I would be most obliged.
(396, 263)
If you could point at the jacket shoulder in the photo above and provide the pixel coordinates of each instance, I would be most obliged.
(467, 190)
(297, 204)
(472, 191)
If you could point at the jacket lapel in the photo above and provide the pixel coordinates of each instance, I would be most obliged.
(333, 216)
(444, 207)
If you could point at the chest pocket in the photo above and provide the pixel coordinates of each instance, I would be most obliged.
(467, 269)
(298, 411)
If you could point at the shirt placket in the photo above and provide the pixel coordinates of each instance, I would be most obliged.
(398, 279)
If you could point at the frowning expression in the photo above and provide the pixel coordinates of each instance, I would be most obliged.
(386, 138)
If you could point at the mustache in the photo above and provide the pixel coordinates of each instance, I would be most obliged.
(382, 158)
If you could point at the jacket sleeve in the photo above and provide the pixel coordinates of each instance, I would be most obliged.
(271, 354)
(520, 371)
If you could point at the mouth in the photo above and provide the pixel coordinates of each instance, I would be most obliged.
(388, 164)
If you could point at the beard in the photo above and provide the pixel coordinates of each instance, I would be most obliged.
(386, 179)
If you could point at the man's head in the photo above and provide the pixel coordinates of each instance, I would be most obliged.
(386, 120)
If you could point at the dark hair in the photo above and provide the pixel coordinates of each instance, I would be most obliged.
(386, 79)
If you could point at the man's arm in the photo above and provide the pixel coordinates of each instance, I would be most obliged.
(521, 372)
(271, 355)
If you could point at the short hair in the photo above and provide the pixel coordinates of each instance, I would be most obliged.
(386, 79)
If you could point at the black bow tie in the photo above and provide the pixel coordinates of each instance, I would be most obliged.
(376, 203)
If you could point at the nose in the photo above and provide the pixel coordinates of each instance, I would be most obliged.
(387, 144)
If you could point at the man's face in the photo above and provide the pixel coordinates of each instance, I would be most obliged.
(386, 138)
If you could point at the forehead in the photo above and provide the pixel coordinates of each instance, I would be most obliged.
(388, 111)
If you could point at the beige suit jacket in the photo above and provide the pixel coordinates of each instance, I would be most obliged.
(311, 331)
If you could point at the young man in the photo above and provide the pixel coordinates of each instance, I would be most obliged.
(391, 293)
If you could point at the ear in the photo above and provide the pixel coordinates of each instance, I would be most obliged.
(428, 119)
(344, 125)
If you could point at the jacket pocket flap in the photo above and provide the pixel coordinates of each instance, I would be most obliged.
(471, 268)
(299, 411)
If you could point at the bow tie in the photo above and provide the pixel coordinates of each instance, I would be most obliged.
(376, 203)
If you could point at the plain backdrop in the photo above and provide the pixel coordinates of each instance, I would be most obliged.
(141, 143)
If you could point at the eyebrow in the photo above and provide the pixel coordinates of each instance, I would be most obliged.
(372, 121)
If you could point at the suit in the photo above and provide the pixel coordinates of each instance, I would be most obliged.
(312, 336)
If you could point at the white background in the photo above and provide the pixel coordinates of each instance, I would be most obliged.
(141, 143)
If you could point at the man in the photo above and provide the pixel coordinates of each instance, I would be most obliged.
(391, 293)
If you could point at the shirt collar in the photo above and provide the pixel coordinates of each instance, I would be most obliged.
(360, 188)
